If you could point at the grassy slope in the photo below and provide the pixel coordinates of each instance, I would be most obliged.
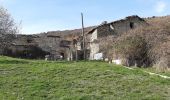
(38, 80)
(154, 70)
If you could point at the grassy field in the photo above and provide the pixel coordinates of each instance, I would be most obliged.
(40, 80)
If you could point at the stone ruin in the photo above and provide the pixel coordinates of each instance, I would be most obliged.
(67, 45)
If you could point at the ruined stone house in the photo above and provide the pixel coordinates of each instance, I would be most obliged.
(98, 34)
(39, 45)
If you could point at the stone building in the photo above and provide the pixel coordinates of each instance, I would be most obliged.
(98, 34)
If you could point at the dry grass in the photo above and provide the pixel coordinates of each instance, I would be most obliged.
(148, 45)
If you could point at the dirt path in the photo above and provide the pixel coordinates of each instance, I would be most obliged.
(151, 73)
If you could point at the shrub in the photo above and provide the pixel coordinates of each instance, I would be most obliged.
(133, 49)
(146, 46)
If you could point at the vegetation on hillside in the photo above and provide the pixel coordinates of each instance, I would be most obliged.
(146, 46)
(40, 80)
(7, 29)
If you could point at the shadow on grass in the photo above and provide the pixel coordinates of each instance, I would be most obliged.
(13, 62)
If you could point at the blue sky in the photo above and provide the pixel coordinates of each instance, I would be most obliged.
(51, 15)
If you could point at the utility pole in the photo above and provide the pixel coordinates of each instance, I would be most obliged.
(76, 53)
(84, 47)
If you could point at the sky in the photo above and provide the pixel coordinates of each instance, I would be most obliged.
(35, 16)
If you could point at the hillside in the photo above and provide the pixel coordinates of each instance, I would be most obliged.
(146, 46)
(66, 33)
(39, 80)
(158, 20)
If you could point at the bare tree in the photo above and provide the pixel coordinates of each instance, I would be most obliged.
(7, 29)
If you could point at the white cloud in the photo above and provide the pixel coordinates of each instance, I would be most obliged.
(160, 6)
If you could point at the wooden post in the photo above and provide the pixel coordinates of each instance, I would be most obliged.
(84, 48)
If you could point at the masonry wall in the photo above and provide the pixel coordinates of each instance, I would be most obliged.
(94, 50)
(93, 45)
(124, 26)
(104, 31)
(50, 44)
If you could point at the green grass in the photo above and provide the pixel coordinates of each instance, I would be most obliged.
(41, 80)
(154, 70)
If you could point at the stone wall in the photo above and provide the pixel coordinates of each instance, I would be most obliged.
(94, 49)
(123, 26)
(104, 31)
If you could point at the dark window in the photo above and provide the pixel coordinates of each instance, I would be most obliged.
(62, 54)
(74, 41)
(29, 40)
(65, 43)
(131, 25)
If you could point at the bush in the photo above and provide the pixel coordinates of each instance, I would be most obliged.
(161, 56)
(146, 46)
(133, 49)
